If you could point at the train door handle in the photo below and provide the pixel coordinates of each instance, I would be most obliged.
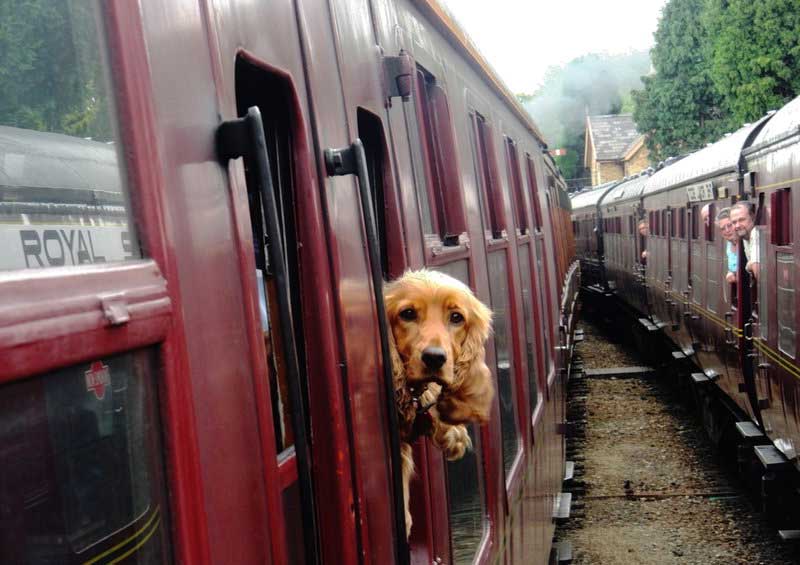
(747, 331)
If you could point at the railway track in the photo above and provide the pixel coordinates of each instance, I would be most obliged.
(648, 488)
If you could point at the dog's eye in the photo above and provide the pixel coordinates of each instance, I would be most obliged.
(409, 314)
(456, 318)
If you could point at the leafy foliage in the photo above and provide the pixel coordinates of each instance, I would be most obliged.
(718, 64)
(754, 54)
(679, 109)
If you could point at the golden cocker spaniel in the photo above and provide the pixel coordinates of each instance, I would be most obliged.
(441, 380)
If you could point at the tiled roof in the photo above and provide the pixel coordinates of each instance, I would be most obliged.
(613, 135)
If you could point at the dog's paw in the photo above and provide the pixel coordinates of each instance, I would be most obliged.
(456, 442)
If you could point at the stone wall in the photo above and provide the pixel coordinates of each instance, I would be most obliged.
(638, 162)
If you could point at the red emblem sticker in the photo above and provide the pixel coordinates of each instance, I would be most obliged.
(97, 379)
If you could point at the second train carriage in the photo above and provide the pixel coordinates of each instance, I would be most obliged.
(740, 331)
(217, 372)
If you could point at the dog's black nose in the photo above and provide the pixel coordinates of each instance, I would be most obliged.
(433, 357)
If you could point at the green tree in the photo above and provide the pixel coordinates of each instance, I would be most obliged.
(754, 53)
(679, 109)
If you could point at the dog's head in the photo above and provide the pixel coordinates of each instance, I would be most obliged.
(439, 329)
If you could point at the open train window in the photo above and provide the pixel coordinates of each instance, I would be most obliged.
(708, 221)
(370, 131)
(695, 220)
(518, 197)
(534, 192)
(439, 156)
(682, 223)
(486, 164)
(781, 217)
(272, 93)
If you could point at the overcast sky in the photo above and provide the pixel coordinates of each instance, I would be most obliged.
(522, 38)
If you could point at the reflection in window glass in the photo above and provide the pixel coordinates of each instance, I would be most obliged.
(62, 197)
(80, 468)
(418, 167)
(715, 276)
(465, 500)
(465, 495)
(530, 336)
(498, 287)
(697, 274)
(787, 335)
(545, 316)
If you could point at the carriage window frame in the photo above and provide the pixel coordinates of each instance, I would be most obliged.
(440, 160)
(515, 182)
(781, 217)
(461, 269)
(488, 177)
(101, 326)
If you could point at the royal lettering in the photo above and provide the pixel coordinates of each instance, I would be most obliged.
(56, 246)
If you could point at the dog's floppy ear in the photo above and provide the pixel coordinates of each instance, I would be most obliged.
(469, 398)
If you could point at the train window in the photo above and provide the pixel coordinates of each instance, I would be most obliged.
(534, 192)
(787, 333)
(698, 276)
(63, 196)
(527, 313)
(673, 223)
(81, 474)
(515, 180)
(714, 276)
(441, 165)
(682, 223)
(781, 217)
(708, 221)
(498, 288)
(695, 222)
(269, 92)
(272, 93)
(466, 498)
(418, 167)
(762, 281)
(370, 131)
(487, 174)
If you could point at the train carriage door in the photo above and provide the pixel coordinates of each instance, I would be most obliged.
(350, 100)
(265, 103)
(91, 374)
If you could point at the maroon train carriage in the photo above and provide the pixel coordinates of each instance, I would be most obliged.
(193, 242)
(741, 335)
(588, 228)
(623, 243)
(772, 161)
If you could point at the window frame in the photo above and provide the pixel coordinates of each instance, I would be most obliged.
(73, 309)
(440, 162)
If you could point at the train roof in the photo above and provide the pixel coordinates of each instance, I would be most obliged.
(446, 24)
(592, 196)
(785, 123)
(713, 159)
(630, 187)
(41, 160)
